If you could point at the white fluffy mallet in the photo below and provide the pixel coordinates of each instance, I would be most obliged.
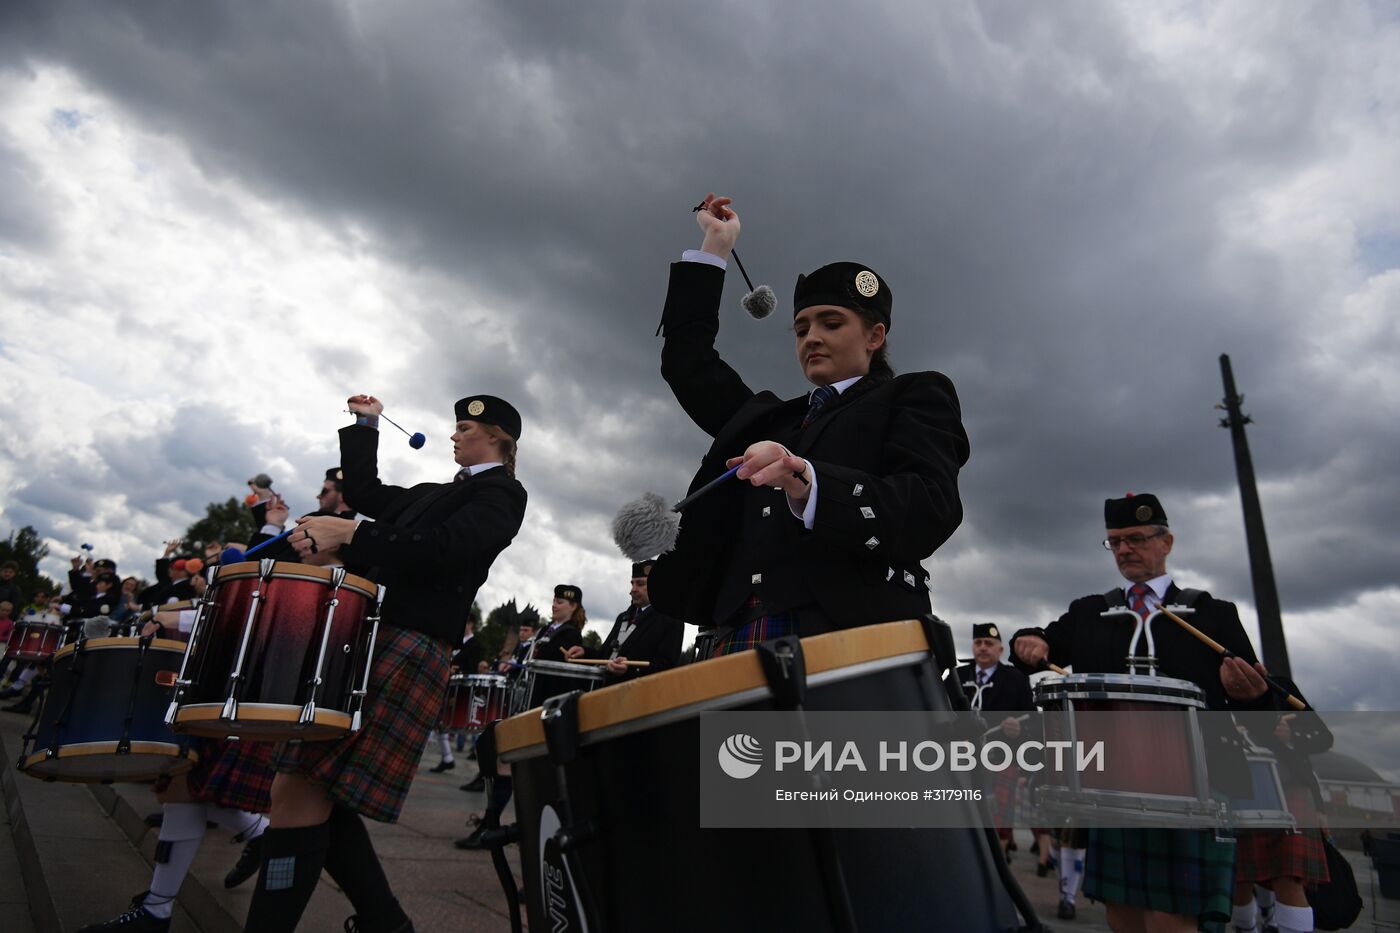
(646, 527)
(760, 301)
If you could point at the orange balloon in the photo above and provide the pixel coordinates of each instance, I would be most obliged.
(194, 565)
(250, 499)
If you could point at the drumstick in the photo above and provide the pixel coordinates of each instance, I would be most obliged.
(602, 661)
(1047, 666)
(998, 726)
(1224, 652)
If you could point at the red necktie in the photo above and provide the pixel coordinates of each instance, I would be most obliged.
(1137, 599)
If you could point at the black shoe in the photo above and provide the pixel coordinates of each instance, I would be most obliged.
(1042, 869)
(475, 786)
(1011, 845)
(154, 820)
(471, 753)
(474, 840)
(247, 865)
(1066, 911)
(1035, 847)
(441, 767)
(135, 920)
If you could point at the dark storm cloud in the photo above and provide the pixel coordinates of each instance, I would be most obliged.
(1046, 200)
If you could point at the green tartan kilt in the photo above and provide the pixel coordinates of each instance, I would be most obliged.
(1179, 871)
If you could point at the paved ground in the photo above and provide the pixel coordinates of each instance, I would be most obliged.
(72, 854)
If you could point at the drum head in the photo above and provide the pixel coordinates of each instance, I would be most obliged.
(565, 669)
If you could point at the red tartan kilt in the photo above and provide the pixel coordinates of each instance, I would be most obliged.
(370, 771)
(235, 774)
(1002, 799)
(1269, 854)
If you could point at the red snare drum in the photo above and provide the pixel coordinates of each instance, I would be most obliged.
(33, 639)
(278, 651)
(487, 699)
(1154, 770)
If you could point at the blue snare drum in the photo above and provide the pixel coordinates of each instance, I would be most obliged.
(1266, 807)
(104, 717)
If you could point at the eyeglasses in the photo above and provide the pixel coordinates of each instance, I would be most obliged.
(1132, 541)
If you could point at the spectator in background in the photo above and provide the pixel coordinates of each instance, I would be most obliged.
(172, 578)
(128, 603)
(7, 625)
(9, 589)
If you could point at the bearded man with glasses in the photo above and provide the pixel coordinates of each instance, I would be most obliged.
(1156, 879)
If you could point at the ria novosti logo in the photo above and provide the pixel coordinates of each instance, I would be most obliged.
(740, 756)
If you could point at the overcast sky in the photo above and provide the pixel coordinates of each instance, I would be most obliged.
(219, 220)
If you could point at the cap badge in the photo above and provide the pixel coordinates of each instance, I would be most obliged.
(993, 632)
(1143, 513)
(476, 407)
(340, 474)
(867, 284)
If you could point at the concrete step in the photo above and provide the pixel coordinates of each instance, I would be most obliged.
(84, 850)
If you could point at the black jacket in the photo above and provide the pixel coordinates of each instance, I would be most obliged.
(431, 546)
(1100, 645)
(550, 646)
(1008, 690)
(1091, 644)
(468, 656)
(657, 638)
(886, 454)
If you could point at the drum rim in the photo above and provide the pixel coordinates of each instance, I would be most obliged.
(493, 679)
(718, 683)
(250, 569)
(564, 669)
(118, 641)
(1063, 686)
(86, 749)
(283, 710)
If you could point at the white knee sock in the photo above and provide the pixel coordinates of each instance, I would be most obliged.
(239, 822)
(1071, 872)
(1266, 899)
(25, 676)
(1293, 919)
(1245, 917)
(445, 746)
(181, 831)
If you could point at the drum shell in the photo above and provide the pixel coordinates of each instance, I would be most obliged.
(33, 641)
(280, 665)
(93, 684)
(544, 679)
(487, 698)
(641, 791)
(1153, 768)
(1267, 807)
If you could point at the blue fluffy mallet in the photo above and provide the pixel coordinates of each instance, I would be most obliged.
(416, 440)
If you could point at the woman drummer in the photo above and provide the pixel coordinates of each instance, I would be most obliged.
(842, 492)
(432, 545)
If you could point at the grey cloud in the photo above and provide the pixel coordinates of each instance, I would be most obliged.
(1048, 202)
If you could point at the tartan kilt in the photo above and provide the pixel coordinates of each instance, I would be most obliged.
(370, 771)
(1180, 871)
(234, 774)
(1001, 799)
(1277, 853)
(752, 634)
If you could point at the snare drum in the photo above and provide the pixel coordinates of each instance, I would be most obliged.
(1266, 807)
(635, 780)
(487, 699)
(33, 639)
(278, 651)
(541, 680)
(1154, 772)
(103, 717)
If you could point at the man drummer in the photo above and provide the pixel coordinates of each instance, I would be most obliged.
(271, 513)
(994, 687)
(1197, 883)
(643, 633)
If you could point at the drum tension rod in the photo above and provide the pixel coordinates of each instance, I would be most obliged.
(559, 716)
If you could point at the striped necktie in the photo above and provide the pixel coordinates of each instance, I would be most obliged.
(1137, 599)
(820, 396)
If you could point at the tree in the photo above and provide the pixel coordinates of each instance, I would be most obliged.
(224, 522)
(26, 549)
(592, 639)
(504, 618)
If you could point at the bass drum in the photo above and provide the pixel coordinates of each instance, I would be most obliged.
(649, 865)
(103, 717)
